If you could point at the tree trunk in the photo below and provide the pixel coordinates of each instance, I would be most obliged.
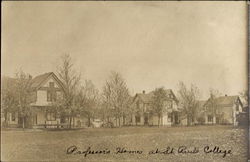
(123, 119)
(88, 121)
(119, 121)
(23, 122)
(70, 121)
(158, 120)
(188, 120)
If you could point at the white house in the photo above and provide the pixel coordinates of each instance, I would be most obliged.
(46, 89)
(145, 116)
(226, 111)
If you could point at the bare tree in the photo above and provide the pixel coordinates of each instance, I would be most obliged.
(71, 82)
(116, 96)
(159, 105)
(88, 100)
(212, 103)
(16, 95)
(23, 86)
(9, 100)
(188, 98)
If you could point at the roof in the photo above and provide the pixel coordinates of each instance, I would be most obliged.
(147, 97)
(38, 80)
(226, 100)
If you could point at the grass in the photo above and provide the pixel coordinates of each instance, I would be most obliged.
(52, 145)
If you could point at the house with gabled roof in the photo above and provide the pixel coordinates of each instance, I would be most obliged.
(225, 111)
(45, 89)
(144, 114)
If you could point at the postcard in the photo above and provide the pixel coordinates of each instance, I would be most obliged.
(124, 81)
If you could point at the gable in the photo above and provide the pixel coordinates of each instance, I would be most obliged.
(174, 97)
(226, 101)
(147, 97)
(51, 79)
(37, 81)
(42, 81)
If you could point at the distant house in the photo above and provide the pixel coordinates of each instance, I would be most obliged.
(226, 110)
(45, 90)
(144, 114)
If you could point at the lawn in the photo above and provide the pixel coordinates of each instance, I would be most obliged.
(132, 144)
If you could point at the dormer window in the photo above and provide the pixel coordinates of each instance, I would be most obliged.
(51, 84)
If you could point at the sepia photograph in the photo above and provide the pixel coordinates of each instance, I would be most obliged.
(124, 81)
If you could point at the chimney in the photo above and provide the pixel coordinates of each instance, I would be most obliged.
(143, 91)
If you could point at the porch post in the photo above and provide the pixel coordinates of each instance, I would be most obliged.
(205, 118)
(214, 119)
(142, 119)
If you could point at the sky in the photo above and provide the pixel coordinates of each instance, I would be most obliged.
(152, 44)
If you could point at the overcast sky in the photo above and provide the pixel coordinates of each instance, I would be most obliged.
(151, 44)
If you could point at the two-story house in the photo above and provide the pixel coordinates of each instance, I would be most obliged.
(144, 114)
(44, 90)
(223, 110)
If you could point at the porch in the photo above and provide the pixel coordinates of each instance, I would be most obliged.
(149, 119)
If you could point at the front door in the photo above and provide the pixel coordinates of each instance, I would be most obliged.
(23, 122)
(217, 120)
(176, 119)
(146, 120)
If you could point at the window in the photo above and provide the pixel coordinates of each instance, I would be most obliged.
(210, 118)
(13, 117)
(51, 93)
(137, 104)
(137, 119)
(170, 119)
(51, 84)
(54, 95)
(49, 96)
(50, 116)
(35, 119)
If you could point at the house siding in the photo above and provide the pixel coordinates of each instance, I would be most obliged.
(42, 98)
(226, 114)
(144, 116)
